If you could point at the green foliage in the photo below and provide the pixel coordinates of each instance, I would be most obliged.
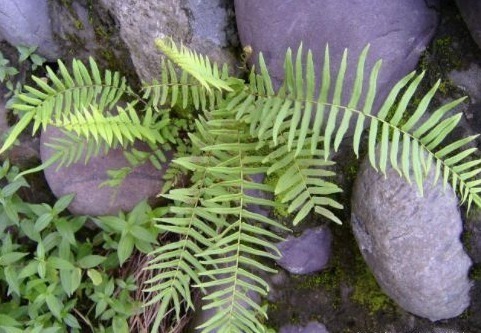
(220, 242)
(53, 280)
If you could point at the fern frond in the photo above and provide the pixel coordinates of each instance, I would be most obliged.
(235, 249)
(123, 127)
(199, 66)
(176, 262)
(302, 182)
(183, 92)
(227, 159)
(51, 102)
(416, 141)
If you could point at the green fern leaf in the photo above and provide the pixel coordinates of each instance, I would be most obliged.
(196, 65)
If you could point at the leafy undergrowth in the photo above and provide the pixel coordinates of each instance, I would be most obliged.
(61, 273)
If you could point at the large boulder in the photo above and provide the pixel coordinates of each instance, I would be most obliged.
(205, 26)
(86, 29)
(412, 243)
(145, 181)
(27, 23)
(398, 32)
(471, 11)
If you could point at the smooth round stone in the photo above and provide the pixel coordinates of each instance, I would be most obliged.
(307, 253)
(27, 23)
(412, 243)
(398, 32)
(84, 180)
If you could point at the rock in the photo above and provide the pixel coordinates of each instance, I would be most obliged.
(86, 29)
(469, 80)
(312, 327)
(412, 243)
(205, 26)
(84, 180)
(470, 11)
(27, 23)
(398, 32)
(307, 253)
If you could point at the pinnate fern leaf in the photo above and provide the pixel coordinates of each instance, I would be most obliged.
(410, 143)
(199, 66)
(47, 103)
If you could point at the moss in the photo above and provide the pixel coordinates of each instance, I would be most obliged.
(368, 293)
(475, 272)
(78, 24)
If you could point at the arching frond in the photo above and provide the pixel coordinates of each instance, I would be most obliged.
(66, 93)
(184, 91)
(322, 112)
(198, 66)
(125, 126)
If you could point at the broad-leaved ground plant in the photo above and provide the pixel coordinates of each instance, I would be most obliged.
(243, 129)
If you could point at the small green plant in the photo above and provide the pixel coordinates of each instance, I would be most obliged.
(244, 128)
(52, 279)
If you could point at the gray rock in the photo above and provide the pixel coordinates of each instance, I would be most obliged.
(398, 32)
(205, 26)
(27, 22)
(307, 253)
(470, 11)
(469, 80)
(312, 327)
(84, 180)
(412, 243)
(84, 28)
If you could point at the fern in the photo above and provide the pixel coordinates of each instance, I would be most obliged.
(53, 101)
(247, 128)
(416, 142)
(196, 65)
(302, 183)
(184, 91)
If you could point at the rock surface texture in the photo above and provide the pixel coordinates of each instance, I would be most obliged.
(84, 180)
(412, 243)
(312, 327)
(398, 32)
(307, 253)
(471, 11)
(85, 29)
(205, 26)
(27, 23)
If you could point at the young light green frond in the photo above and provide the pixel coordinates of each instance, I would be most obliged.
(182, 91)
(123, 128)
(196, 65)
(47, 103)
